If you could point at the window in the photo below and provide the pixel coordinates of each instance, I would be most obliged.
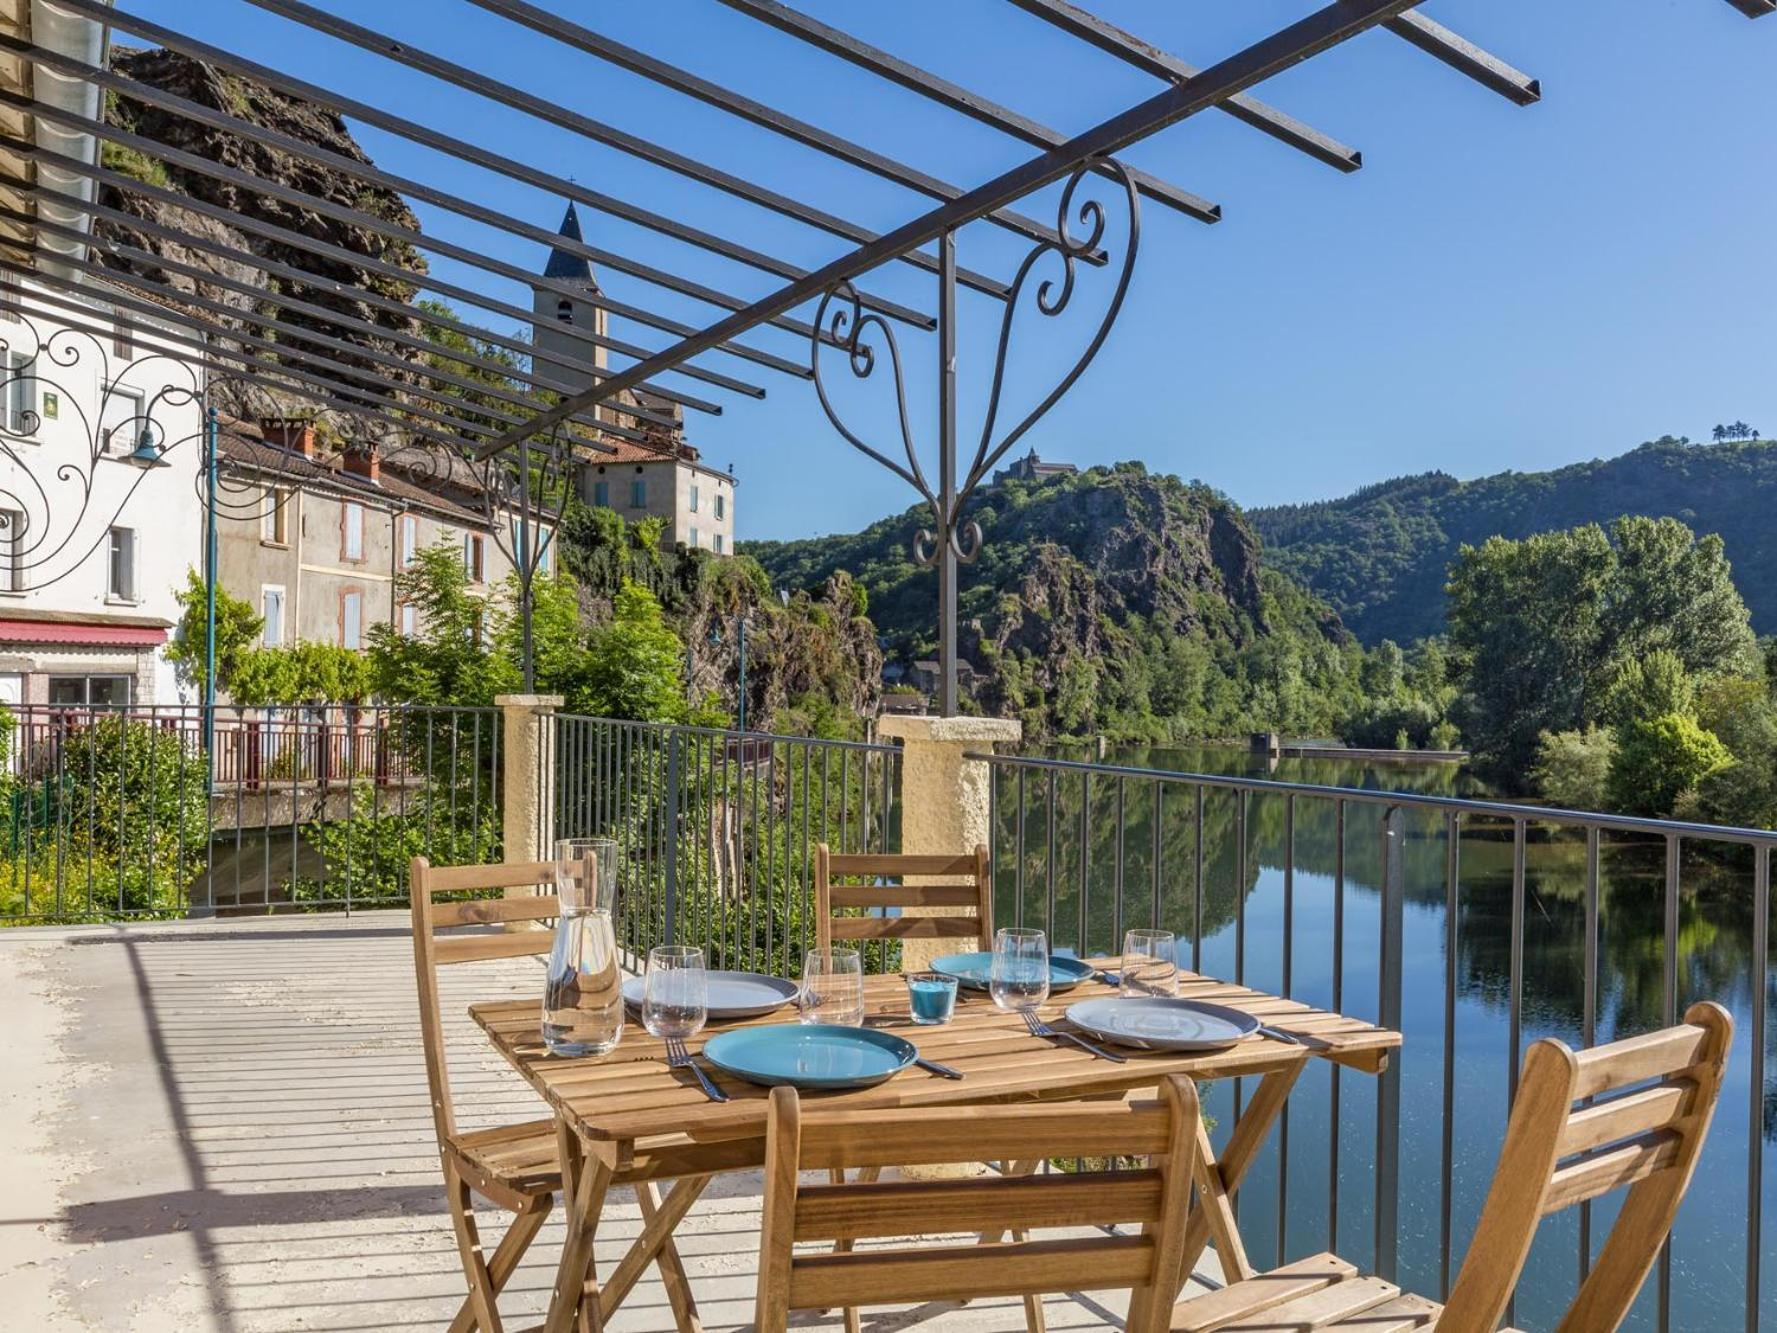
(718, 543)
(120, 580)
(638, 494)
(410, 619)
(12, 550)
(123, 343)
(9, 297)
(271, 606)
(352, 534)
(721, 504)
(475, 556)
(564, 310)
(693, 542)
(21, 396)
(547, 541)
(126, 420)
(410, 540)
(694, 497)
(274, 519)
(85, 691)
(351, 619)
(601, 493)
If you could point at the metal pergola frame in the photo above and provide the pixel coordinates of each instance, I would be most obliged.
(354, 365)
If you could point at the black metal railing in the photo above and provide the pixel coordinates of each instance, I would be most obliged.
(118, 812)
(1473, 927)
(717, 829)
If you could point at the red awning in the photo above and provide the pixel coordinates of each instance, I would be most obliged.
(93, 635)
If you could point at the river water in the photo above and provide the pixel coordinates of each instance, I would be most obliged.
(1460, 1085)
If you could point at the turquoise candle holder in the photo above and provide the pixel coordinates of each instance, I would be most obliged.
(931, 997)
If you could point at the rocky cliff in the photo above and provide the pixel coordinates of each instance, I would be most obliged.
(1114, 600)
(217, 211)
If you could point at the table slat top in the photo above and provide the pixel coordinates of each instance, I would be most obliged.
(631, 1093)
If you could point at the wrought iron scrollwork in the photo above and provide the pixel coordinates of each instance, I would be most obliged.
(1080, 232)
(51, 487)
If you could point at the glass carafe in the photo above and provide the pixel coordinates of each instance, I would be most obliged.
(583, 992)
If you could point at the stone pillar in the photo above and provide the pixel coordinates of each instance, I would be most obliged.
(527, 775)
(944, 801)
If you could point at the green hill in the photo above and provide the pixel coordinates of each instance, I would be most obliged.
(1109, 601)
(1379, 555)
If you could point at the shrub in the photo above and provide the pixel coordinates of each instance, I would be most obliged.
(1572, 768)
(1658, 760)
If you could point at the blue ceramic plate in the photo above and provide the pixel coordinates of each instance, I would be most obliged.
(1158, 1023)
(810, 1055)
(732, 994)
(972, 970)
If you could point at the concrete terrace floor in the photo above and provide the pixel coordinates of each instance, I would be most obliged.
(223, 1125)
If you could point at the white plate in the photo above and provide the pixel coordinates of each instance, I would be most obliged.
(1156, 1023)
(732, 994)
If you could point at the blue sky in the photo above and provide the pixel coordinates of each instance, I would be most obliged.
(1497, 288)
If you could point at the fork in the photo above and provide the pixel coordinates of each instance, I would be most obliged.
(1038, 1028)
(677, 1057)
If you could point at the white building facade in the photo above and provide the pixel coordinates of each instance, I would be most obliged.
(101, 443)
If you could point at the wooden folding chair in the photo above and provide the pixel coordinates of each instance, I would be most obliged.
(1645, 1106)
(855, 912)
(518, 1167)
(960, 880)
(799, 1138)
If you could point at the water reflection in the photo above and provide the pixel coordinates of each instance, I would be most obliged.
(1270, 867)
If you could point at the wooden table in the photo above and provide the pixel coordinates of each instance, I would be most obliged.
(605, 1104)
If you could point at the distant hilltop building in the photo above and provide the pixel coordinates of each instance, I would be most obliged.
(663, 477)
(1032, 468)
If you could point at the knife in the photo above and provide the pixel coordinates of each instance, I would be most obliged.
(943, 1071)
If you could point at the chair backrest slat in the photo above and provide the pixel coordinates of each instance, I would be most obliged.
(960, 865)
(1557, 1155)
(1168, 1132)
(1635, 1059)
(432, 951)
(916, 1276)
(1642, 1112)
(952, 881)
(870, 1209)
(1064, 1129)
(493, 911)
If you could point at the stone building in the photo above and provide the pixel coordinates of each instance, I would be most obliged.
(665, 477)
(314, 542)
(1032, 468)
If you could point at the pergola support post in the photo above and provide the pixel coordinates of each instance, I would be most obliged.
(947, 554)
(527, 777)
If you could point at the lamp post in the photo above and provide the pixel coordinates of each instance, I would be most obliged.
(740, 648)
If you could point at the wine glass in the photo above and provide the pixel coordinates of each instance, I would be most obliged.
(675, 992)
(833, 987)
(1019, 978)
(1150, 963)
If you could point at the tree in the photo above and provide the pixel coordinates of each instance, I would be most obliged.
(1721, 433)
(1649, 687)
(1573, 767)
(1546, 628)
(447, 661)
(238, 628)
(1525, 620)
(1673, 590)
(635, 665)
(1660, 759)
(1384, 670)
